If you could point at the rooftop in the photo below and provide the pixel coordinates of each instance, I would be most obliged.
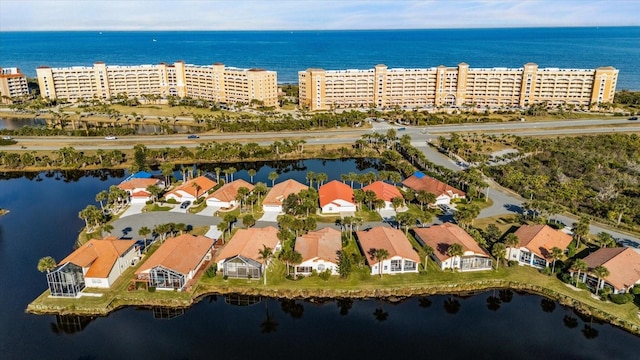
(182, 254)
(392, 240)
(248, 243)
(99, 255)
(323, 244)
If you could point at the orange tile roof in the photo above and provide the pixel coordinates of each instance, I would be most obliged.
(323, 244)
(182, 253)
(141, 193)
(334, 190)
(280, 191)
(441, 237)
(99, 255)
(204, 182)
(228, 192)
(247, 242)
(431, 185)
(383, 190)
(138, 183)
(623, 264)
(392, 240)
(540, 239)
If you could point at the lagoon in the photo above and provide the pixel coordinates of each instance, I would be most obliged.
(43, 221)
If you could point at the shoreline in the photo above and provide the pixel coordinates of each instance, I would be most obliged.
(392, 295)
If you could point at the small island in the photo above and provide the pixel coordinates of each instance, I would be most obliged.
(330, 240)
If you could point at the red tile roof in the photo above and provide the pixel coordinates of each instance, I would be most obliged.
(383, 190)
(182, 253)
(441, 237)
(138, 183)
(323, 244)
(623, 264)
(228, 192)
(247, 242)
(392, 240)
(540, 239)
(334, 190)
(99, 255)
(280, 191)
(204, 182)
(141, 193)
(431, 185)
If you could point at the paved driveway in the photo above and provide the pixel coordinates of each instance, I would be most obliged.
(209, 211)
(133, 209)
(269, 216)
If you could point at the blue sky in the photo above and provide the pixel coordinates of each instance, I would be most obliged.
(18, 15)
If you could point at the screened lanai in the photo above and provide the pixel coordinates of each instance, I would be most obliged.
(163, 278)
(66, 280)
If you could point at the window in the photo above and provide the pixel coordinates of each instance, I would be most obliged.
(321, 267)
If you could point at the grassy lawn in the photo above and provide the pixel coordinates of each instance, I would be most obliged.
(197, 208)
(503, 222)
(156, 207)
(368, 215)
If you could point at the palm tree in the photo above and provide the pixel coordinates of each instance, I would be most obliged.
(252, 173)
(453, 251)
(108, 228)
(428, 251)
(579, 265)
(223, 226)
(380, 255)
(144, 231)
(311, 176)
(167, 171)
(102, 196)
(248, 221)
(581, 230)
(511, 241)
(499, 250)
(197, 187)
(265, 255)
(556, 254)
(425, 197)
(600, 272)
(273, 176)
(46, 263)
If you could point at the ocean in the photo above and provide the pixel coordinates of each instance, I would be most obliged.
(288, 52)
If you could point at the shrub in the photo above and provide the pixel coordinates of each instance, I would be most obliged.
(566, 278)
(211, 271)
(171, 201)
(149, 202)
(152, 289)
(635, 290)
(512, 263)
(546, 271)
(620, 298)
(583, 286)
(325, 275)
(225, 277)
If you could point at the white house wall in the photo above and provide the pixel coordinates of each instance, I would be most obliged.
(272, 208)
(315, 263)
(443, 200)
(218, 203)
(338, 206)
(96, 282)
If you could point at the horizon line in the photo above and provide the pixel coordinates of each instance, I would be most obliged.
(316, 30)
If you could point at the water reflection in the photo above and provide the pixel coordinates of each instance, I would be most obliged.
(70, 324)
(242, 300)
(344, 305)
(164, 313)
(452, 305)
(292, 307)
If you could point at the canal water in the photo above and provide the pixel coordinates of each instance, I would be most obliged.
(490, 325)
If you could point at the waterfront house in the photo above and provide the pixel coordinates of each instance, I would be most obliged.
(441, 237)
(225, 196)
(443, 192)
(176, 262)
(319, 250)
(384, 192)
(97, 263)
(240, 258)
(137, 188)
(273, 200)
(192, 189)
(402, 257)
(336, 197)
(623, 264)
(536, 242)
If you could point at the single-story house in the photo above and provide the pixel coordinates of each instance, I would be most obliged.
(441, 237)
(623, 264)
(137, 188)
(536, 242)
(240, 258)
(336, 197)
(319, 250)
(176, 262)
(97, 263)
(443, 192)
(273, 200)
(225, 196)
(402, 257)
(192, 189)
(385, 192)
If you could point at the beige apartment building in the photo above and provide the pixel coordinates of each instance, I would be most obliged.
(13, 84)
(321, 89)
(213, 82)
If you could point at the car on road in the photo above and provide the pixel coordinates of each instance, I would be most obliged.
(633, 118)
(185, 204)
(7, 137)
(110, 137)
(193, 136)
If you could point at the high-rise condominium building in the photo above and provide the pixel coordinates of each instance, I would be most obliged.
(13, 84)
(456, 86)
(213, 82)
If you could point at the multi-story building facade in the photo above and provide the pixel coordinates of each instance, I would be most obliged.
(214, 82)
(321, 89)
(13, 84)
